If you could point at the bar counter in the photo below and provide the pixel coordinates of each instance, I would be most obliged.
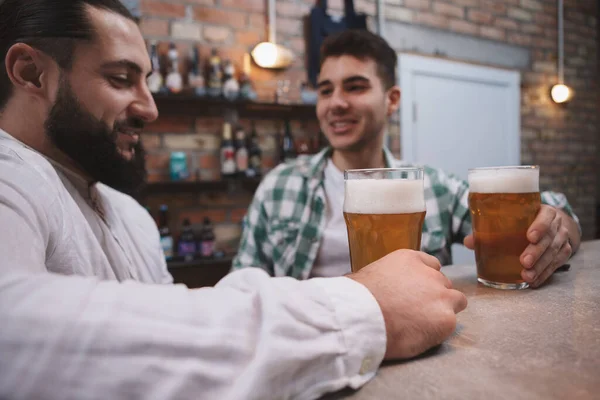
(523, 344)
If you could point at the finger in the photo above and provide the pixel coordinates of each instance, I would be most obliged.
(550, 256)
(469, 242)
(534, 251)
(429, 260)
(541, 224)
(564, 254)
(444, 280)
(459, 300)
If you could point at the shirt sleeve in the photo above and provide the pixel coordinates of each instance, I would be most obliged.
(254, 235)
(250, 337)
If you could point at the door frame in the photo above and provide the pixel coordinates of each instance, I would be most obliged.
(411, 65)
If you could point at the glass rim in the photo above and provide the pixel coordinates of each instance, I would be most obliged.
(384, 169)
(505, 167)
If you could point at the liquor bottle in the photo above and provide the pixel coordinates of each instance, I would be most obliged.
(195, 78)
(207, 239)
(155, 80)
(215, 75)
(241, 152)
(174, 79)
(186, 247)
(166, 239)
(247, 92)
(228, 167)
(255, 156)
(231, 87)
(288, 151)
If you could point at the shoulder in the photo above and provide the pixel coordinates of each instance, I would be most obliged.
(27, 172)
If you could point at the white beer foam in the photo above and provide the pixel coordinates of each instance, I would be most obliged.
(522, 180)
(384, 196)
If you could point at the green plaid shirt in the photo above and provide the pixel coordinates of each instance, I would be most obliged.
(285, 222)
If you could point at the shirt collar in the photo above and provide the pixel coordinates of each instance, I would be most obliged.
(316, 165)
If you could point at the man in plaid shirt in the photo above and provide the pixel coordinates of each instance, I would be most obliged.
(295, 226)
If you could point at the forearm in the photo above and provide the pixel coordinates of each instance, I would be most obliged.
(249, 337)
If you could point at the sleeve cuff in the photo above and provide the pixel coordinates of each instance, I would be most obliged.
(362, 327)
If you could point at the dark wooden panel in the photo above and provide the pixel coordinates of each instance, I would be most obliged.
(200, 273)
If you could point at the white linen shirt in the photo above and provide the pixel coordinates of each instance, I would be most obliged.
(85, 312)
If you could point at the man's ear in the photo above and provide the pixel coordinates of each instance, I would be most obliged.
(28, 70)
(393, 100)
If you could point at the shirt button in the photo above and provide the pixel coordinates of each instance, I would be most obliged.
(366, 365)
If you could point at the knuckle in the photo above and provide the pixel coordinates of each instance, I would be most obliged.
(563, 232)
(567, 250)
(448, 324)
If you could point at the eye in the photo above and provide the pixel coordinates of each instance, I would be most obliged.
(120, 81)
(325, 92)
(355, 88)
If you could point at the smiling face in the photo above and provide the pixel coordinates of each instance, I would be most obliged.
(353, 106)
(103, 102)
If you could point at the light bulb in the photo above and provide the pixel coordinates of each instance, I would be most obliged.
(271, 55)
(560, 93)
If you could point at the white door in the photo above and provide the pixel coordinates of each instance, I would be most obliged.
(456, 116)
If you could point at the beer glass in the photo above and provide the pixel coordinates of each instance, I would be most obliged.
(384, 211)
(503, 203)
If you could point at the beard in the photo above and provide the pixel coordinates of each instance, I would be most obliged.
(92, 144)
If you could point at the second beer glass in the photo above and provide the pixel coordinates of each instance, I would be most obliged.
(384, 211)
(504, 202)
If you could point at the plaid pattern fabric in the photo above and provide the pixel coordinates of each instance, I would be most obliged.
(284, 223)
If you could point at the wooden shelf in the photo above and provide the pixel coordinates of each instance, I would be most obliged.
(169, 187)
(188, 104)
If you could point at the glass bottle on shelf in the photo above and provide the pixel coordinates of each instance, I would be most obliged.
(195, 78)
(186, 247)
(174, 79)
(215, 75)
(166, 238)
(255, 156)
(228, 167)
(231, 87)
(207, 239)
(241, 152)
(247, 91)
(288, 150)
(155, 80)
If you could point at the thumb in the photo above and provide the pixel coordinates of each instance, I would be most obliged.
(469, 242)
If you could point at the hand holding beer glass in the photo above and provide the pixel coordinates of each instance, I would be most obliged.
(503, 202)
(384, 211)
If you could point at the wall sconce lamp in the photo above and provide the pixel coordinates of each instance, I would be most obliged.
(561, 93)
(270, 54)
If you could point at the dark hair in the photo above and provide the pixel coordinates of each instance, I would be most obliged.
(51, 26)
(363, 45)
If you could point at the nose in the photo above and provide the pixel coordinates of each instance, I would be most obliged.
(338, 101)
(144, 106)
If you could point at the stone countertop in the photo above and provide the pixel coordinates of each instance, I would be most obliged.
(524, 344)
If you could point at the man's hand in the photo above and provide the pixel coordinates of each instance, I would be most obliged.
(549, 246)
(418, 303)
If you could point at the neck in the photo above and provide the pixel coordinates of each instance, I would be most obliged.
(368, 156)
(24, 125)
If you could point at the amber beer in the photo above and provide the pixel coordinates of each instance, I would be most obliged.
(503, 203)
(384, 211)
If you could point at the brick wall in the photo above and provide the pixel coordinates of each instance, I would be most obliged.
(563, 140)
